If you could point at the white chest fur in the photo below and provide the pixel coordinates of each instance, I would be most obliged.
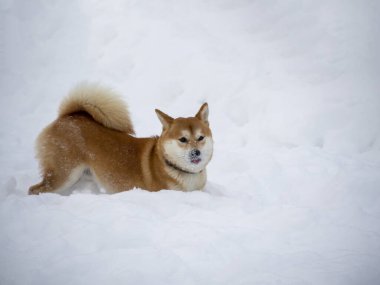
(188, 182)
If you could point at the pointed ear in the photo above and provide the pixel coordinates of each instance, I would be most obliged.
(166, 120)
(203, 113)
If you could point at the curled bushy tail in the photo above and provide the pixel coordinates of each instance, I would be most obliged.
(103, 104)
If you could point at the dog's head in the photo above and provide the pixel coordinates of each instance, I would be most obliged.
(186, 142)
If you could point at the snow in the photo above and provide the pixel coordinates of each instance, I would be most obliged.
(293, 194)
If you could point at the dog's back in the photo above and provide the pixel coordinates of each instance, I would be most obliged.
(89, 118)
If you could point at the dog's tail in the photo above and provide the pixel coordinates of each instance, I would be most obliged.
(104, 105)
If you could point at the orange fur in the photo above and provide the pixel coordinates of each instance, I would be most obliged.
(94, 131)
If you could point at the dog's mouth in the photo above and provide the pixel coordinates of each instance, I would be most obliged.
(195, 160)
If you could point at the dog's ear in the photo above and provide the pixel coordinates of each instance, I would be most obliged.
(166, 120)
(203, 113)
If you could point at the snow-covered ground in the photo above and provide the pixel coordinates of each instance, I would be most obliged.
(294, 186)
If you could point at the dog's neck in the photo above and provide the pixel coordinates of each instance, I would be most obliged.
(172, 165)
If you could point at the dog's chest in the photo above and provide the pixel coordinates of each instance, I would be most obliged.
(190, 182)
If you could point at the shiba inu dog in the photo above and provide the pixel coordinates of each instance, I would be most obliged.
(94, 132)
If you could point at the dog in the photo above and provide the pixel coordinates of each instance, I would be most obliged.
(93, 132)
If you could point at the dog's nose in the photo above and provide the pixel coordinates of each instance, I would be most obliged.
(195, 152)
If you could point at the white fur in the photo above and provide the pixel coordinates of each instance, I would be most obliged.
(187, 182)
(185, 134)
(73, 178)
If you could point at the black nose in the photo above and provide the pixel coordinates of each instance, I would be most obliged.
(195, 152)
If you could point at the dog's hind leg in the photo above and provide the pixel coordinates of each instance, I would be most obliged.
(55, 180)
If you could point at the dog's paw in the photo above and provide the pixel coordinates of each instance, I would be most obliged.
(34, 191)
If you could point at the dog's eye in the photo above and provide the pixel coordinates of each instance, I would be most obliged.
(201, 138)
(183, 140)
